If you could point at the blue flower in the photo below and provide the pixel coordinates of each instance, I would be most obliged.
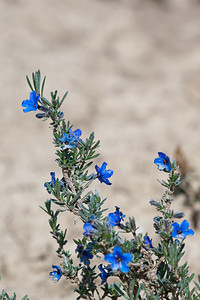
(89, 228)
(51, 183)
(103, 174)
(71, 139)
(181, 231)
(56, 273)
(32, 103)
(118, 260)
(84, 254)
(163, 162)
(116, 217)
(106, 271)
(148, 242)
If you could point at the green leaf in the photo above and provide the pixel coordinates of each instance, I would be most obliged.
(25, 297)
(42, 89)
(29, 83)
(63, 98)
(45, 101)
(120, 292)
(33, 78)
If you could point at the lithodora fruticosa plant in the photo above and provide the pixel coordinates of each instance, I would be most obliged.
(105, 265)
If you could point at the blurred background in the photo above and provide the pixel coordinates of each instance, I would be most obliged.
(132, 69)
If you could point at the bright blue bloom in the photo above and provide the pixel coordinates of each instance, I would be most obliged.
(84, 254)
(181, 231)
(103, 174)
(71, 139)
(116, 217)
(148, 242)
(118, 260)
(32, 103)
(163, 162)
(89, 228)
(106, 271)
(56, 273)
(51, 183)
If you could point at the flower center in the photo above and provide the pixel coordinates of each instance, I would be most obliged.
(179, 231)
(119, 259)
(164, 161)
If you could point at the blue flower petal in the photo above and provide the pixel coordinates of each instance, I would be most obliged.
(126, 257)
(175, 226)
(162, 155)
(116, 266)
(77, 132)
(189, 232)
(184, 225)
(97, 168)
(103, 167)
(124, 268)
(117, 251)
(108, 174)
(159, 161)
(110, 258)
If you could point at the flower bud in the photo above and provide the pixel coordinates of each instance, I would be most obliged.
(132, 223)
(179, 215)
(154, 202)
(167, 225)
(157, 223)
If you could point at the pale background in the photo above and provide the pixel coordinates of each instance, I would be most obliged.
(132, 69)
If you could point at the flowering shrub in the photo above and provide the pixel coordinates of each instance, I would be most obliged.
(109, 266)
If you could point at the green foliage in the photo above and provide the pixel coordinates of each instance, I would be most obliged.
(5, 296)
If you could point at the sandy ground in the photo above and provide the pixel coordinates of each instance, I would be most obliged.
(132, 69)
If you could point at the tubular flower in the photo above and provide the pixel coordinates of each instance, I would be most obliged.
(118, 260)
(148, 242)
(116, 217)
(56, 273)
(103, 174)
(163, 162)
(32, 103)
(71, 139)
(181, 231)
(89, 228)
(84, 254)
(51, 183)
(106, 271)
